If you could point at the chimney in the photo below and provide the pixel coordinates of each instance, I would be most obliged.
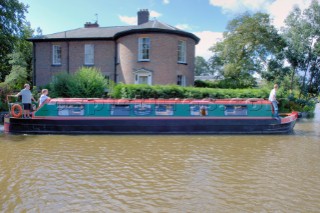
(91, 25)
(143, 16)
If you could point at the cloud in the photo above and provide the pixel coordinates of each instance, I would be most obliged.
(131, 20)
(183, 26)
(166, 1)
(279, 14)
(155, 14)
(240, 6)
(207, 40)
(278, 9)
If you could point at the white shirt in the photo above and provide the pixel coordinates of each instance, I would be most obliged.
(43, 98)
(273, 95)
(26, 96)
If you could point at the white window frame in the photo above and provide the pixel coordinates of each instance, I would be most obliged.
(144, 49)
(143, 73)
(182, 51)
(181, 80)
(56, 54)
(88, 54)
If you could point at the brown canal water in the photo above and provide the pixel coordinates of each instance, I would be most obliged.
(218, 173)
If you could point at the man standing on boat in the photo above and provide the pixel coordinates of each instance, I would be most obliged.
(273, 99)
(26, 100)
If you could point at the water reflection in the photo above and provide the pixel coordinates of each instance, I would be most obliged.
(257, 173)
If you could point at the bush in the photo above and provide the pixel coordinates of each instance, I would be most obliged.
(295, 104)
(85, 83)
(59, 85)
(223, 84)
(4, 91)
(174, 91)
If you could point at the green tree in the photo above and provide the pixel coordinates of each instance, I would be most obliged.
(21, 60)
(18, 75)
(248, 45)
(201, 66)
(276, 70)
(302, 34)
(12, 18)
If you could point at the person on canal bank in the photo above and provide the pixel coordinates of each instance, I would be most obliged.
(26, 100)
(43, 97)
(273, 99)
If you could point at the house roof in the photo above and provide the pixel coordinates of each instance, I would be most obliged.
(113, 33)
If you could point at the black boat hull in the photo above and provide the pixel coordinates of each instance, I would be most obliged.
(124, 125)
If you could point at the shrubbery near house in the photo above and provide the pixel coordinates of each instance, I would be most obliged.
(223, 84)
(174, 91)
(87, 82)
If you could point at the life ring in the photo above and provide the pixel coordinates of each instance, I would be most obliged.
(16, 110)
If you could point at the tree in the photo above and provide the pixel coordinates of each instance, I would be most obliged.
(21, 61)
(12, 19)
(18, 75)
(302, 34)
(201, 66)
(248, 45)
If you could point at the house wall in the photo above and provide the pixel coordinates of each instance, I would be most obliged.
(163, 58)
(72, 58)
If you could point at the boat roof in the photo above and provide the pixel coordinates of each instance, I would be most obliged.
(158, 101)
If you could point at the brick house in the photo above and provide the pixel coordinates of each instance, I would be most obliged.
(148, 53)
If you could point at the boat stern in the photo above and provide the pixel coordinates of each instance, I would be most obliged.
(6, 124)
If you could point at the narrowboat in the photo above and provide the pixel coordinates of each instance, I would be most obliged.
(150, 116)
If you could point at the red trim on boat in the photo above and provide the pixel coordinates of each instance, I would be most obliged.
(158, 101)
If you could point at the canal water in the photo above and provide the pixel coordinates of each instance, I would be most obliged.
(218, 173)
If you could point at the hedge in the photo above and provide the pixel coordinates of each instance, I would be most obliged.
(174, 91)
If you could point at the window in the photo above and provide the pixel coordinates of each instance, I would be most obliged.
(120, 110)
(89, 54)
(143, 76)
(142, 109)
(164, 109)
(181, 80)
(142, 79)
(198, 110)
(56, 55)
(144, 49)
(235, 110)
(182, 52)
(70, 110)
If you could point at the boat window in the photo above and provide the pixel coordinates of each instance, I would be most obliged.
(198, 109)
(70, 110)
(235, 110)
(120, 109)
(164, 109)
(142, 109)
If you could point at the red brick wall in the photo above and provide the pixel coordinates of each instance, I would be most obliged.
(163, 58)
(104, 52)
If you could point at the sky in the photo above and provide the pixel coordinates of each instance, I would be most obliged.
(205, 18)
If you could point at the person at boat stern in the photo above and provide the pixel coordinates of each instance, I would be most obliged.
(26, 100)
(43, 97)
(273, 99)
